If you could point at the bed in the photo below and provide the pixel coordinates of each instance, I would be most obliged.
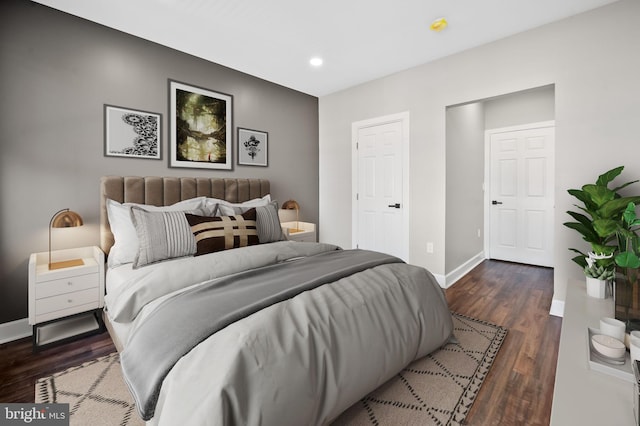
(262, 331)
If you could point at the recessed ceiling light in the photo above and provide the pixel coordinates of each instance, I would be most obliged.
(439, 24)
(316, 62)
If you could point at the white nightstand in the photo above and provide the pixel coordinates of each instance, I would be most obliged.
(65, 303)
(307, 231)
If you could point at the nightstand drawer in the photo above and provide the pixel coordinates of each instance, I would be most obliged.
(67, 301)
(66, 285)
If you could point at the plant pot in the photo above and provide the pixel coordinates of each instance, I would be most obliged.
(627, 297)
(597, 288)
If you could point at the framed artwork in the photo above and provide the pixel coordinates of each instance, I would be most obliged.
(201, 127)
(131, 133)
(253, 147)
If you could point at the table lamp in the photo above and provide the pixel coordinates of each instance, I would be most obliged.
(293, 205)
(65, 218)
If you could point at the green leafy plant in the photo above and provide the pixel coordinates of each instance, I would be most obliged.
(628, 272)
(628, 239)
(600, 218)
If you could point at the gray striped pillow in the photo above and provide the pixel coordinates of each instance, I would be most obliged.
(162, 235)
(269, 228)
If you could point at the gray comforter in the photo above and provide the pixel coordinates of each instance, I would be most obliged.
(182, 322)
(301, 361)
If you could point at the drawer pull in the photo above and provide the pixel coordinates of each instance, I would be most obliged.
(69, 283)
(69, 301)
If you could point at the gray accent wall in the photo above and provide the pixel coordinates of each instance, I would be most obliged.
(57, 72)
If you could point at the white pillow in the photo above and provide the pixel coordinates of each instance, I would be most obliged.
(126, 243)
(226, 208)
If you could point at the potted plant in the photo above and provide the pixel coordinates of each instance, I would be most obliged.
(627, 297)
(599, 276)
(599, 221)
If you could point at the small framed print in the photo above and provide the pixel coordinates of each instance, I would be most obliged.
(131, 133)
(253, 147)
(201, 127)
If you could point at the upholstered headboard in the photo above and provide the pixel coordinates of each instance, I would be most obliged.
(164, 191)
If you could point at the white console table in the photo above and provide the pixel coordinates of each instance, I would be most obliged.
(583, 396)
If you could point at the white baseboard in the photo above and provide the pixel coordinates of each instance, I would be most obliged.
(462, 270)
(440, 279)
(557, 308)
(14, 330)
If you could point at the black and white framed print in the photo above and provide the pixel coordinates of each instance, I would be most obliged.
(131, 133)
(201, 127)
(252, 147)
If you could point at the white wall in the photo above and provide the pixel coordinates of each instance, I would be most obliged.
(529, 106)
(464, 176)
(593, 59)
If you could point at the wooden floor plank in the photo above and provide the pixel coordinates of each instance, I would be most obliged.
(517, 390)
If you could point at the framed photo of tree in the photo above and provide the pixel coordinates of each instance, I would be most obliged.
(252, 147)
(201, 126)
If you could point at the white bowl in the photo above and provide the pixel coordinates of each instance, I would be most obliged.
(608, 346)
(612, 327)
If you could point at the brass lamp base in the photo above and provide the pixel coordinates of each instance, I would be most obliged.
(66, 264)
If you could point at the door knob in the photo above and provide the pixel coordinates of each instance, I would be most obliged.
(395, 206)
(494, 202)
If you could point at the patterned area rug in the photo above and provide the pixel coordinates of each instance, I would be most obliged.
(95, 392)
(438, 389)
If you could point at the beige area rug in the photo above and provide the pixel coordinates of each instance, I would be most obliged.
(95, 392)
(438, 389)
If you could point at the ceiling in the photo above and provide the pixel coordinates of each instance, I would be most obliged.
(359, 40)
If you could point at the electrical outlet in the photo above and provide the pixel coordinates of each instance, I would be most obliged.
(479, 234)
(429, 247)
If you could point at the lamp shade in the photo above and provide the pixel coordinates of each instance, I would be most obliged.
(64, 218)
(291, 205)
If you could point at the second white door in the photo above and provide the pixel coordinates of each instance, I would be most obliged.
(522, 195)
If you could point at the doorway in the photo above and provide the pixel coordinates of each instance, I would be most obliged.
(467, 180)
(380, 182)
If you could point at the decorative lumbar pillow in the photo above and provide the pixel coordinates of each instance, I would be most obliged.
(224, 232)
(269, 227)
(161, 236)
(125, 248)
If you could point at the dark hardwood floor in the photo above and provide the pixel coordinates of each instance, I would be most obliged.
(517, 391)
(519, 388)
(20, 367)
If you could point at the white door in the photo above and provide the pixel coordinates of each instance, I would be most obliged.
(521, 194)
(380, 218)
